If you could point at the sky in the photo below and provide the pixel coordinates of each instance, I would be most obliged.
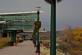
(68, 13)
(28, 5)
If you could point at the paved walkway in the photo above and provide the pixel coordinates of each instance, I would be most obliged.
(25, 48)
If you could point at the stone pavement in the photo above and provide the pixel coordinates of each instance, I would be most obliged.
(25, 48)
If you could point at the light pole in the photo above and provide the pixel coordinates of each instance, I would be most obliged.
(53, 26)
(53, 30)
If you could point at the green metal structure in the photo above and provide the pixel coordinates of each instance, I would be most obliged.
(18, 21)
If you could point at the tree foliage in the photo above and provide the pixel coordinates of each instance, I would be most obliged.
(72, 43)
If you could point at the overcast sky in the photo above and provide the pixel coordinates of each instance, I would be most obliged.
(27, 5)
(69, 12)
